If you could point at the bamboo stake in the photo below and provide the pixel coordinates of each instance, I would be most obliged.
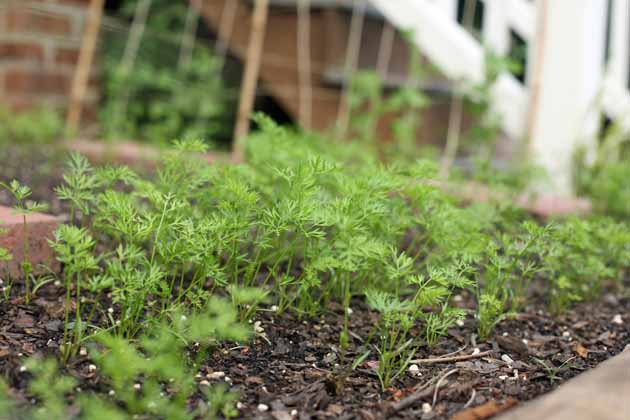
(135, 36)
(352, 61)
(190, 31)
(131, 49)
(304, 62)
(226, 26)
(457, 105)
(84, 66)
(385, 49)
(250, 77)
(541, 35)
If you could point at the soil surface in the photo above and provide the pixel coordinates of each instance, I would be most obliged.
(293, 368)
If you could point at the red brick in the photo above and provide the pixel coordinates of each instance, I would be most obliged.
(19, 81)
(131, 153)
(40, 228)
(24, 20)
(21, 51)
(67, 56)
(82, 3)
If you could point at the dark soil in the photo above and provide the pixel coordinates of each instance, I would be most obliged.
(296, 364)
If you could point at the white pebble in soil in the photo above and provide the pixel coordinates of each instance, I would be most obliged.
(426, 408)
(617, 319)
(215, 375)
(414, 369)
(507, 359)
(263, 407)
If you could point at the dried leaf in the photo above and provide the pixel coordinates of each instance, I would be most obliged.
(484, 411)
(580, 350)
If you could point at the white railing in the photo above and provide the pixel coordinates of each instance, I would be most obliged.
(566, 88)
(616, 97)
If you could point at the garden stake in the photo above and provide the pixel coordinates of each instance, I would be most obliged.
(84, 66)
(250, 78)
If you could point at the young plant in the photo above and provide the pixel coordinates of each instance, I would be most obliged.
(157, 379)
(24, 207)
(74, 249)
(395, 345)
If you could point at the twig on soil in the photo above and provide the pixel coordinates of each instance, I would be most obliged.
(437, 386)
(424, 391)
(453, 353)
(471, 399)
(444, 359)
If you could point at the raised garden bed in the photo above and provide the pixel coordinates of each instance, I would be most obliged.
(295, 367)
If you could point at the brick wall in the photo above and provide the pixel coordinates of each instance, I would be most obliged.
(39, 47)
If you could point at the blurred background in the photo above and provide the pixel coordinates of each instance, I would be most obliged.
(526, 94)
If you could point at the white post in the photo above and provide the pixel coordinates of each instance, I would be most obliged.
(570, 70)
(616, 96)
(495, 28)
(448, 6)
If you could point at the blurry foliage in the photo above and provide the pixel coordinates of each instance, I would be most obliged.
(38, 126)
(157, 101)
(606, 179)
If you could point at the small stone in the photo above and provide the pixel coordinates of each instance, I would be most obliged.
(426, 408)
(414, 369)
(137, 386)
(617, 319)
(204, 383)
(83, 352)
(262, 407)
(215, 375)
(228, 379)
(294, 412)
(505, 334)
(507, 359)
(92, 368)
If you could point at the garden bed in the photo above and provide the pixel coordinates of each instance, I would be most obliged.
(293, 364)
(296, 366)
